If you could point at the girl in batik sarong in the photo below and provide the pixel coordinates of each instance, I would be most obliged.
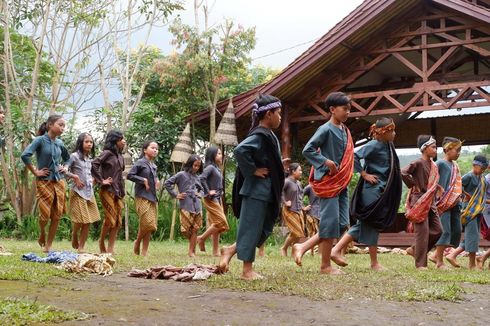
(448, 204)
(83, 207)
(474, 201)
(422, 177)
(377, 197)
(50, 187)
(292, 209)
(107, 170)
(480, 261)
(331, 152)
(144, 174)
(189, 194)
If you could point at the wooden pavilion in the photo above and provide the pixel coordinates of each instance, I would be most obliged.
(395, 58)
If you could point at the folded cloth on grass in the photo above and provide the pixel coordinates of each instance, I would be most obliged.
(100, 264)
(192, 272)
(54, 257)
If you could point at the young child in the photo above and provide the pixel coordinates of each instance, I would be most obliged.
(292, 211)
(144, 174)
(83, 207)
(377, 197)
(480, 261)
(474, 200)
(448, 204)
(331, 152)
(422, 177)
(212, 181)
(107, 170)
(189, 196)
(312, 211)
(50, 186)
(258, 185)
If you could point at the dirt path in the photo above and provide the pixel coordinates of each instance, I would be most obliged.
(120, 300)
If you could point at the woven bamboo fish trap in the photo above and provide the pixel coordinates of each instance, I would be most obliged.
(183, 148)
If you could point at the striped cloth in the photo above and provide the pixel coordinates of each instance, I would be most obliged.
(452, 195)
(312, 225)
(51, 199)
(420, 210)
(295, 222)
(83, 211)
(148, 214)
(476, 205)
(189, 222)
(216, 214)
(113, 206)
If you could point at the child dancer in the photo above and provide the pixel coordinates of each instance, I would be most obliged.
(474, 200)
(189, 196)
(422, 177)
(331, 152)
(257, 188)
(50, 186)
(377, 196)
(144, 174)
(83, 207)
(212, 181)
(480, 261)
(107, 170)
(292, 211)
(448, 204)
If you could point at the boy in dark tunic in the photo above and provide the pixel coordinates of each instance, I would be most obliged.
(257, 185)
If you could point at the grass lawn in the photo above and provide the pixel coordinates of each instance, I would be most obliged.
(402, 282)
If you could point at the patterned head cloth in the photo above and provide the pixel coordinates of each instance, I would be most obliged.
(256, 109)
(427, 143)
(481, 160)
(452, 144)
(375, 131)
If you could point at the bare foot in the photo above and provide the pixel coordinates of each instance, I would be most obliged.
(297, 254)
(480, 262)
(252, 276)
(442, 267)
(202, 245)
(409, 251)
(432, 259)
(331, 270)
(338, 259)
(378, 268)
(261, 252)
(453, 262)
(224, 263)
(102, 247)
(284, 252)
(46, 249)
(42, 239)
(191, 254)
(216, 254)
(74, 240)
(422, 268)
(81, 250)
(136, 248)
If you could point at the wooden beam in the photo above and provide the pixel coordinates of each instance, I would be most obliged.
(470, 46)
(320, 110)
(465, 43)
(441, 60)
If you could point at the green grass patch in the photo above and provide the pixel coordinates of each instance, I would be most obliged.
(402, 282)
(24, 312)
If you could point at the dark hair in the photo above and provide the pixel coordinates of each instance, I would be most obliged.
(79, 144)
(190, 162)
(422, 139)
(44, 127)
(210, 156)
(482, 159)
(145, 145)
(262, 100)
(292, 167)
(383, 122)
(113, 136)
(336, 99)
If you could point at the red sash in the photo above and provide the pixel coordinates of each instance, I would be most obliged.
(332, 185)
(420, 210)
(452, 196)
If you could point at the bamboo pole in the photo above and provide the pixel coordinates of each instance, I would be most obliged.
(174, 211)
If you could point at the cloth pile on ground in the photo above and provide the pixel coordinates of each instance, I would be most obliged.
(54, 257)
(381, 250)
(192, 272)
(101, 264)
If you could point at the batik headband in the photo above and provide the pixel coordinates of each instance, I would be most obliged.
(480, 163)
(258, 109)
(427, 143)
(377, 131)
(453, 144)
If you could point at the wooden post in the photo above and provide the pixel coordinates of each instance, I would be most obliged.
(285, 134)
(174, 211)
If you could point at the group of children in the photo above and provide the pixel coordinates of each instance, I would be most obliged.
(439, 204)
(85, 170)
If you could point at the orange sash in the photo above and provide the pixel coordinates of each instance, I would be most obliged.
(452, 195)
(332, 185)
(420, 210)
